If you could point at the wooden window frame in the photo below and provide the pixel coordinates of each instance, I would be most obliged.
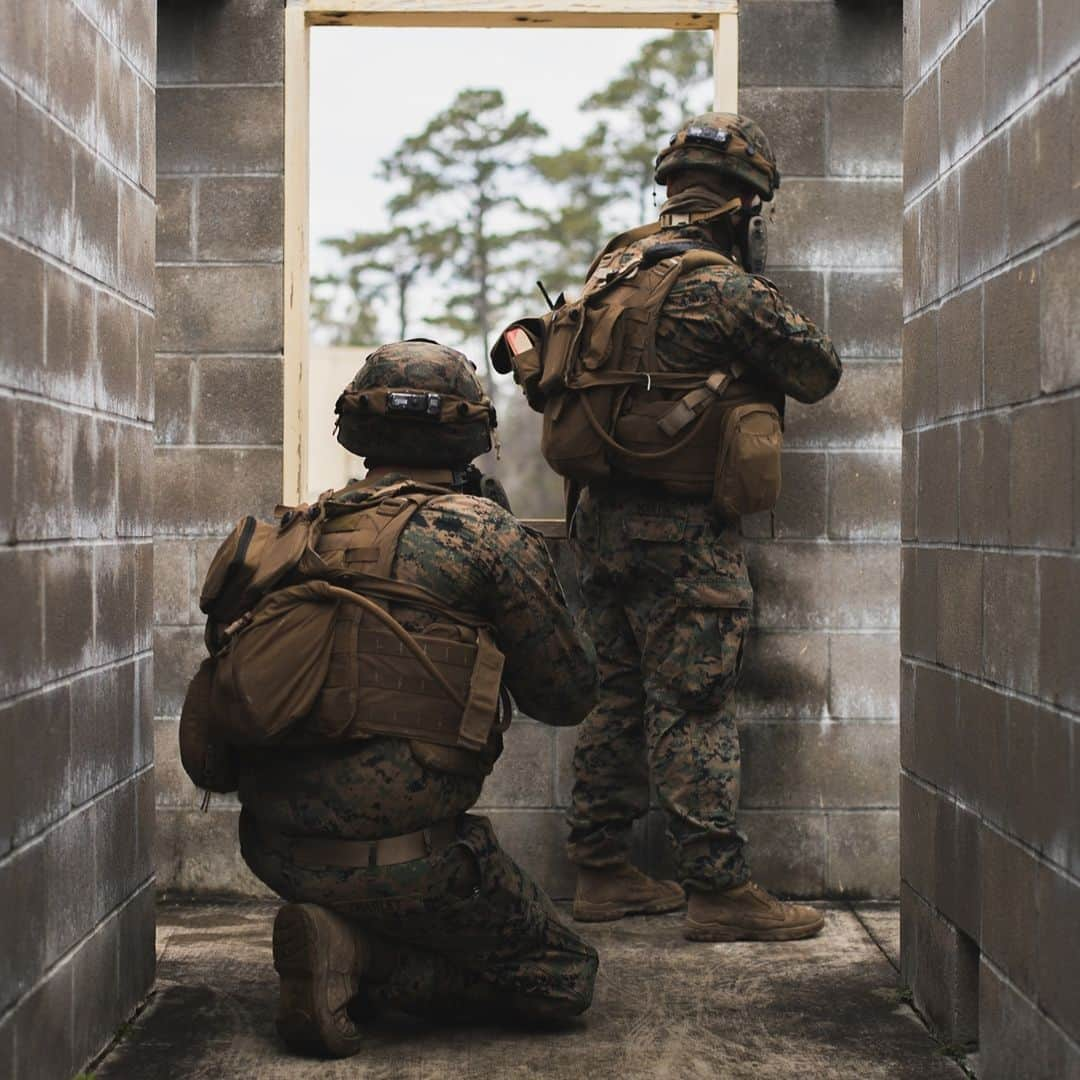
(720, 16)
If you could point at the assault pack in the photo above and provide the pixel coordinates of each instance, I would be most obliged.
(591, 367)
(304, 650)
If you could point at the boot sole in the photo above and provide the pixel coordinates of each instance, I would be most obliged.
(303, 968)
(713, 932)
(610, 911)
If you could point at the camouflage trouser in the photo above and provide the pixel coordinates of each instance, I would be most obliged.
(472, 936)
(666, 601)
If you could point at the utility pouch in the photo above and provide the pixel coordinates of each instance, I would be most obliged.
(747, 479)
(204, 754)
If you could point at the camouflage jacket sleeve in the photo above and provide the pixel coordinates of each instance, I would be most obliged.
(550, 667)
(726, 313)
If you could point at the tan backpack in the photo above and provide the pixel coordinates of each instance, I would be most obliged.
(590, 366)
(304, 649)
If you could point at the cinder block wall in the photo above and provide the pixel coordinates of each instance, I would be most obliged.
(76, 403)
(819, 705)
(991, 579)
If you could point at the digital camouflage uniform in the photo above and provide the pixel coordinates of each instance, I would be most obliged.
(667, 598)
(471, 932)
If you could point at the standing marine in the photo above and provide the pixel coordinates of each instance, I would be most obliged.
(363, 654)
(662, 389)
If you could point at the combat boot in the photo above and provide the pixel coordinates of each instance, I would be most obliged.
(748, 913)
(320, 958)
(610, 892)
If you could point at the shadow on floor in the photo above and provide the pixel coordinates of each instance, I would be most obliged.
(664, 1008)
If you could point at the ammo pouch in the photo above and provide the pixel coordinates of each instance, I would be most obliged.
(592, 370)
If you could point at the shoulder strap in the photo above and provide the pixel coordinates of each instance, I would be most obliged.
(624, 239)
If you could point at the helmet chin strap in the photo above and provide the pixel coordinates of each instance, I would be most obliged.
(672, 214)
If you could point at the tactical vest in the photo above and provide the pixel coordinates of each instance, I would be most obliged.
(610, 405)
(305, 652)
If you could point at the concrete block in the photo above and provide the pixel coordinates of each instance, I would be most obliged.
(1060, 45)
(909, 480)
(95, 985)
(804, 290)
(802, 508)
(960, 353)
(68, 574)
(135, 245)
(1011, 621)
(239, 400)
(865, 313)
(115, 837)
(178, 651)
(797, 586)
(864, 496)
(981, 775)
(927, 254)
(960, 603)
(173, 410)
(175, 219)
(921, 137)
(147, 348)
(95, 216)
(941, 965)
(565, 741)
(222, 129)
(24, 48)
(963, 95)
(819, 45)
(43, 1031)
(865, 132)
(807, 231)
(136, 32)
(864, 676)
(524, 775)
(22, 278)
(144, 594)
(8, 169)
(864, 855)
(1060, 317)
(1012, 54)
(7, 470)
(1041, 475)
(117, 110)
(147, 137)
(939, 23)
(39, 730)
(801, 766)
(219, 309)
(948, 210)
(240, 219)
(912, 66)
(144, 827)
(117, 356)
(172, 786)
(958, 869)
(114, 601)
(133, 502)
(1009, 897)
(1059, 630)
(939, 450)
(21, 656)
(240, 42)
(94, 477)
(787, 850)
(1012, 335)
(102, 706)
(143, 749)
(984, 485)
(72, 40)
(22, 885)
(172, 582)
(983, 216)
(136, 956)
(934, 726)
(69, 338)
(918, 603)
(207, 491)
(1043, 200)
(784, 675)
(919, 808)
(794, 118)
(44, 181)
(70, 873)
(920, 370)
(863, 411)
(1059, 942)
(1015, 1037)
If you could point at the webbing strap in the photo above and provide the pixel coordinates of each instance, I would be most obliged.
(483, 704)
(689, 408)
(359, 854)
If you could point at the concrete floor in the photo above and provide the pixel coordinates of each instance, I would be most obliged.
(664, 1008)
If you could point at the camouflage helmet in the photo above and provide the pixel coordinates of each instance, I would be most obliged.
(729, 144)
(415, 403)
